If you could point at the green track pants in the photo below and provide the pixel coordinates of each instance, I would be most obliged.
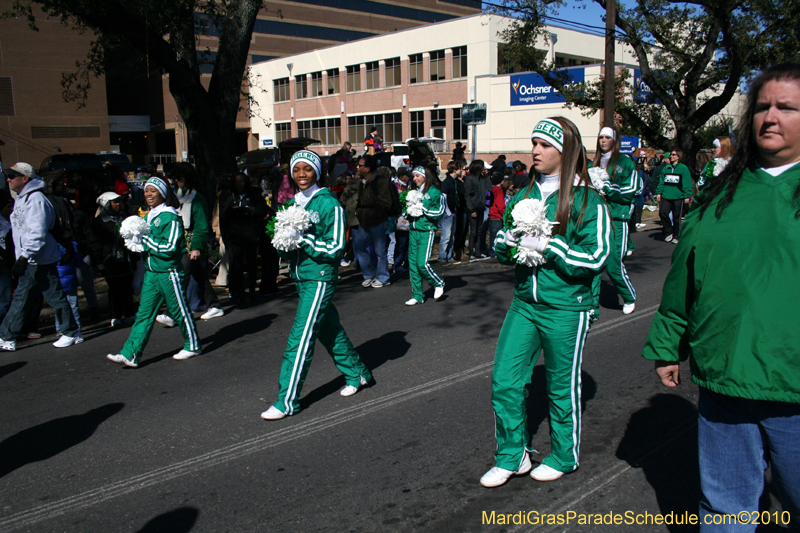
(527, 330)
(316, 318)
(616, 267)
(158, 288)
(419, 251)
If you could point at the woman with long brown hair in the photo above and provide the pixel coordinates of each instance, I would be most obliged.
(553, 305)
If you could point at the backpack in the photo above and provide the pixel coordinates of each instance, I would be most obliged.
(63, 230)
(396, 209)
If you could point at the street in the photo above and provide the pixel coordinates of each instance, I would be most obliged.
(87, 445)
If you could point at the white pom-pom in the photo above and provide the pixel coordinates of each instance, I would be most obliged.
(599, 177)
(529, 257)
(296, 218)
(132, 229)
(719, 166)
(414, 203)
(530, 216)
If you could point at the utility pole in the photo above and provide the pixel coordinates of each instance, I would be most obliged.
(608, 81)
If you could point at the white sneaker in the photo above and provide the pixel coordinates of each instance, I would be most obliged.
(116, 323)
(413, 301)
(121, 359)
(272, 414)
(545, 473)
(166, 320)
(640, 225)
(65, 341)
(368, 282)
(349, 390)
(8, 346)
(376, 283)
(185, 354)
(629, 253)
(497, 476)
(212, 312)
(674, 241)
(438, 292)
(628, 308)
(668, 238)
(344, 263)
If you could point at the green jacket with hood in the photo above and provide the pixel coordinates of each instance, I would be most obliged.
(165, 245)
(730, 299)
(322, 247)
(574, 260)
(433, 209)
(621, 191)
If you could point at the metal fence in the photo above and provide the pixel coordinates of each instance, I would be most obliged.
(166, 159)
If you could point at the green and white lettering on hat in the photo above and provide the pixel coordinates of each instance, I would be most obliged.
(306, 156)
(550, 131)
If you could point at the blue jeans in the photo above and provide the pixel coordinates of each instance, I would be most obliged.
(45, 277)
(375, 235)
(736, 438)
(86, 281)
(495, 225)
(447, 238)
(401, 251)
(72, 298)
(6, 284)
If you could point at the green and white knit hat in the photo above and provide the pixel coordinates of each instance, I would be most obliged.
(419, 170)
(306, 156)
(159, 184)
(550, 131)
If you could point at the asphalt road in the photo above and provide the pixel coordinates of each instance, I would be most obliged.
(87, 445)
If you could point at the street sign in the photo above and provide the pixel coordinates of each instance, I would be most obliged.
(473, 114)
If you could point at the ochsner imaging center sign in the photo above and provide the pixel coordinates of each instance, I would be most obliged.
(531, 89)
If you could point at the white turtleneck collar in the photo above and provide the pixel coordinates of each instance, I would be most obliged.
(548, 184)
(605, 159)
(303, 197)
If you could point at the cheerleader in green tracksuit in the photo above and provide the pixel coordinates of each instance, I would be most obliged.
(552, 307)
(422, 234)
(314, 267)
(620, 193)
(163, 250)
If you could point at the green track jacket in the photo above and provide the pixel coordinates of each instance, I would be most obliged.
(675, 182)
(625, 184)
(318, 257)
(730, 299)
(165, 245)
(433, 208)
(574, 260)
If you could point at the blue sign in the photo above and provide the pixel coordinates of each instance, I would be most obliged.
(628, 144)
(641, 91)
(531, 89)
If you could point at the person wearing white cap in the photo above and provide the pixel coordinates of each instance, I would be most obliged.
(163, 251)
(620, 191)
(113, 260)
(422, 235)
(552, 307)
(37, 254)
(314, 267)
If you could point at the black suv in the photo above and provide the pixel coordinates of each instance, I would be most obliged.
(65, 167)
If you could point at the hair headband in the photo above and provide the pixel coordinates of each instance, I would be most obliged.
(309, 157)
(608, 132)
(551, 131)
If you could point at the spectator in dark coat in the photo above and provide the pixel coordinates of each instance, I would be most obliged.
(241, 217)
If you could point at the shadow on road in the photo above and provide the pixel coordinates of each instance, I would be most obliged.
(11, 367)
(538, 402)
(51, 438)
(374, 353)
(180, 520)
(670, 421)
(237, 330)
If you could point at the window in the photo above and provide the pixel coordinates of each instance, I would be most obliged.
(283, 131)
(6, 98)
(460, 62)
(316, 84)
(327, 130)
(573, 62)
(301, 87)
(437, 65)
(390, 127)
(281, 88)
(417, 124)
(373, 75)
(439, 122)
(415, 68)
(353, 78)
(304, 128)
(586, 62)
(504, 64)
(393, 72)
(460, 131)
(559, 61)
(333, 81)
